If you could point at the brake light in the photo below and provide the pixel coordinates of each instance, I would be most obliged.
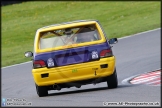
(39, 64)
(106, 53)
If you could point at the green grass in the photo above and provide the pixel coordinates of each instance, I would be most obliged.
(20, 21)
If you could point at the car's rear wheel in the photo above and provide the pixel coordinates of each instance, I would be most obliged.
(112, 81)
(41, 90)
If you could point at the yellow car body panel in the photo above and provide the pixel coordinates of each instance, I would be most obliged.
(76, 72)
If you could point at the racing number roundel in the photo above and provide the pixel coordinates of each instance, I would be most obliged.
(94, 55)
(50, 62)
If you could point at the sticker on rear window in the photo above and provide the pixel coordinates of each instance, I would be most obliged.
(94, 54)
(50, 62)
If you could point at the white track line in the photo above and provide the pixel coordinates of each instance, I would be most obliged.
(15, 65)
(139, 33)
(118, 38)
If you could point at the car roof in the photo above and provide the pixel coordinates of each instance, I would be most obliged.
(76, 21)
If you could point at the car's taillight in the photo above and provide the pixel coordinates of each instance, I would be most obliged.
(106, 53)
(39, 64)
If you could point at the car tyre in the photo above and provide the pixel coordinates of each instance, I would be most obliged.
(41, 90)
(112, 81)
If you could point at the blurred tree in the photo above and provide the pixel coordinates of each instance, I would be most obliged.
(4, 3)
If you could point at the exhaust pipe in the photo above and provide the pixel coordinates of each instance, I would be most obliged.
(56, 87)
(78, 86)
(94, 82)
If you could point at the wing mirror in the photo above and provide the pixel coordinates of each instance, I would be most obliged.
(28, 54)
(113, 40)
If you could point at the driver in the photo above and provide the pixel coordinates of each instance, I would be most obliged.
(68, 32)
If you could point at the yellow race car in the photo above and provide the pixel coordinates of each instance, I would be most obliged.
(72, 54)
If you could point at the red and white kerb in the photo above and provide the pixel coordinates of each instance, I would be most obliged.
(150, 78)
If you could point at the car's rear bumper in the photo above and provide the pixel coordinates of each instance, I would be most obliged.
(76, 72)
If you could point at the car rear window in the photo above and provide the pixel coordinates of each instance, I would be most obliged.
(67, 36)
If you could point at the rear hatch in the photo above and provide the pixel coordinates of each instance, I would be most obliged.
(73, 55)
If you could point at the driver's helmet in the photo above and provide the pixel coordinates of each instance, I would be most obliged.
(68, 32)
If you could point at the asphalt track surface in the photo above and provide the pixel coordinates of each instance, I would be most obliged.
(136, 54)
